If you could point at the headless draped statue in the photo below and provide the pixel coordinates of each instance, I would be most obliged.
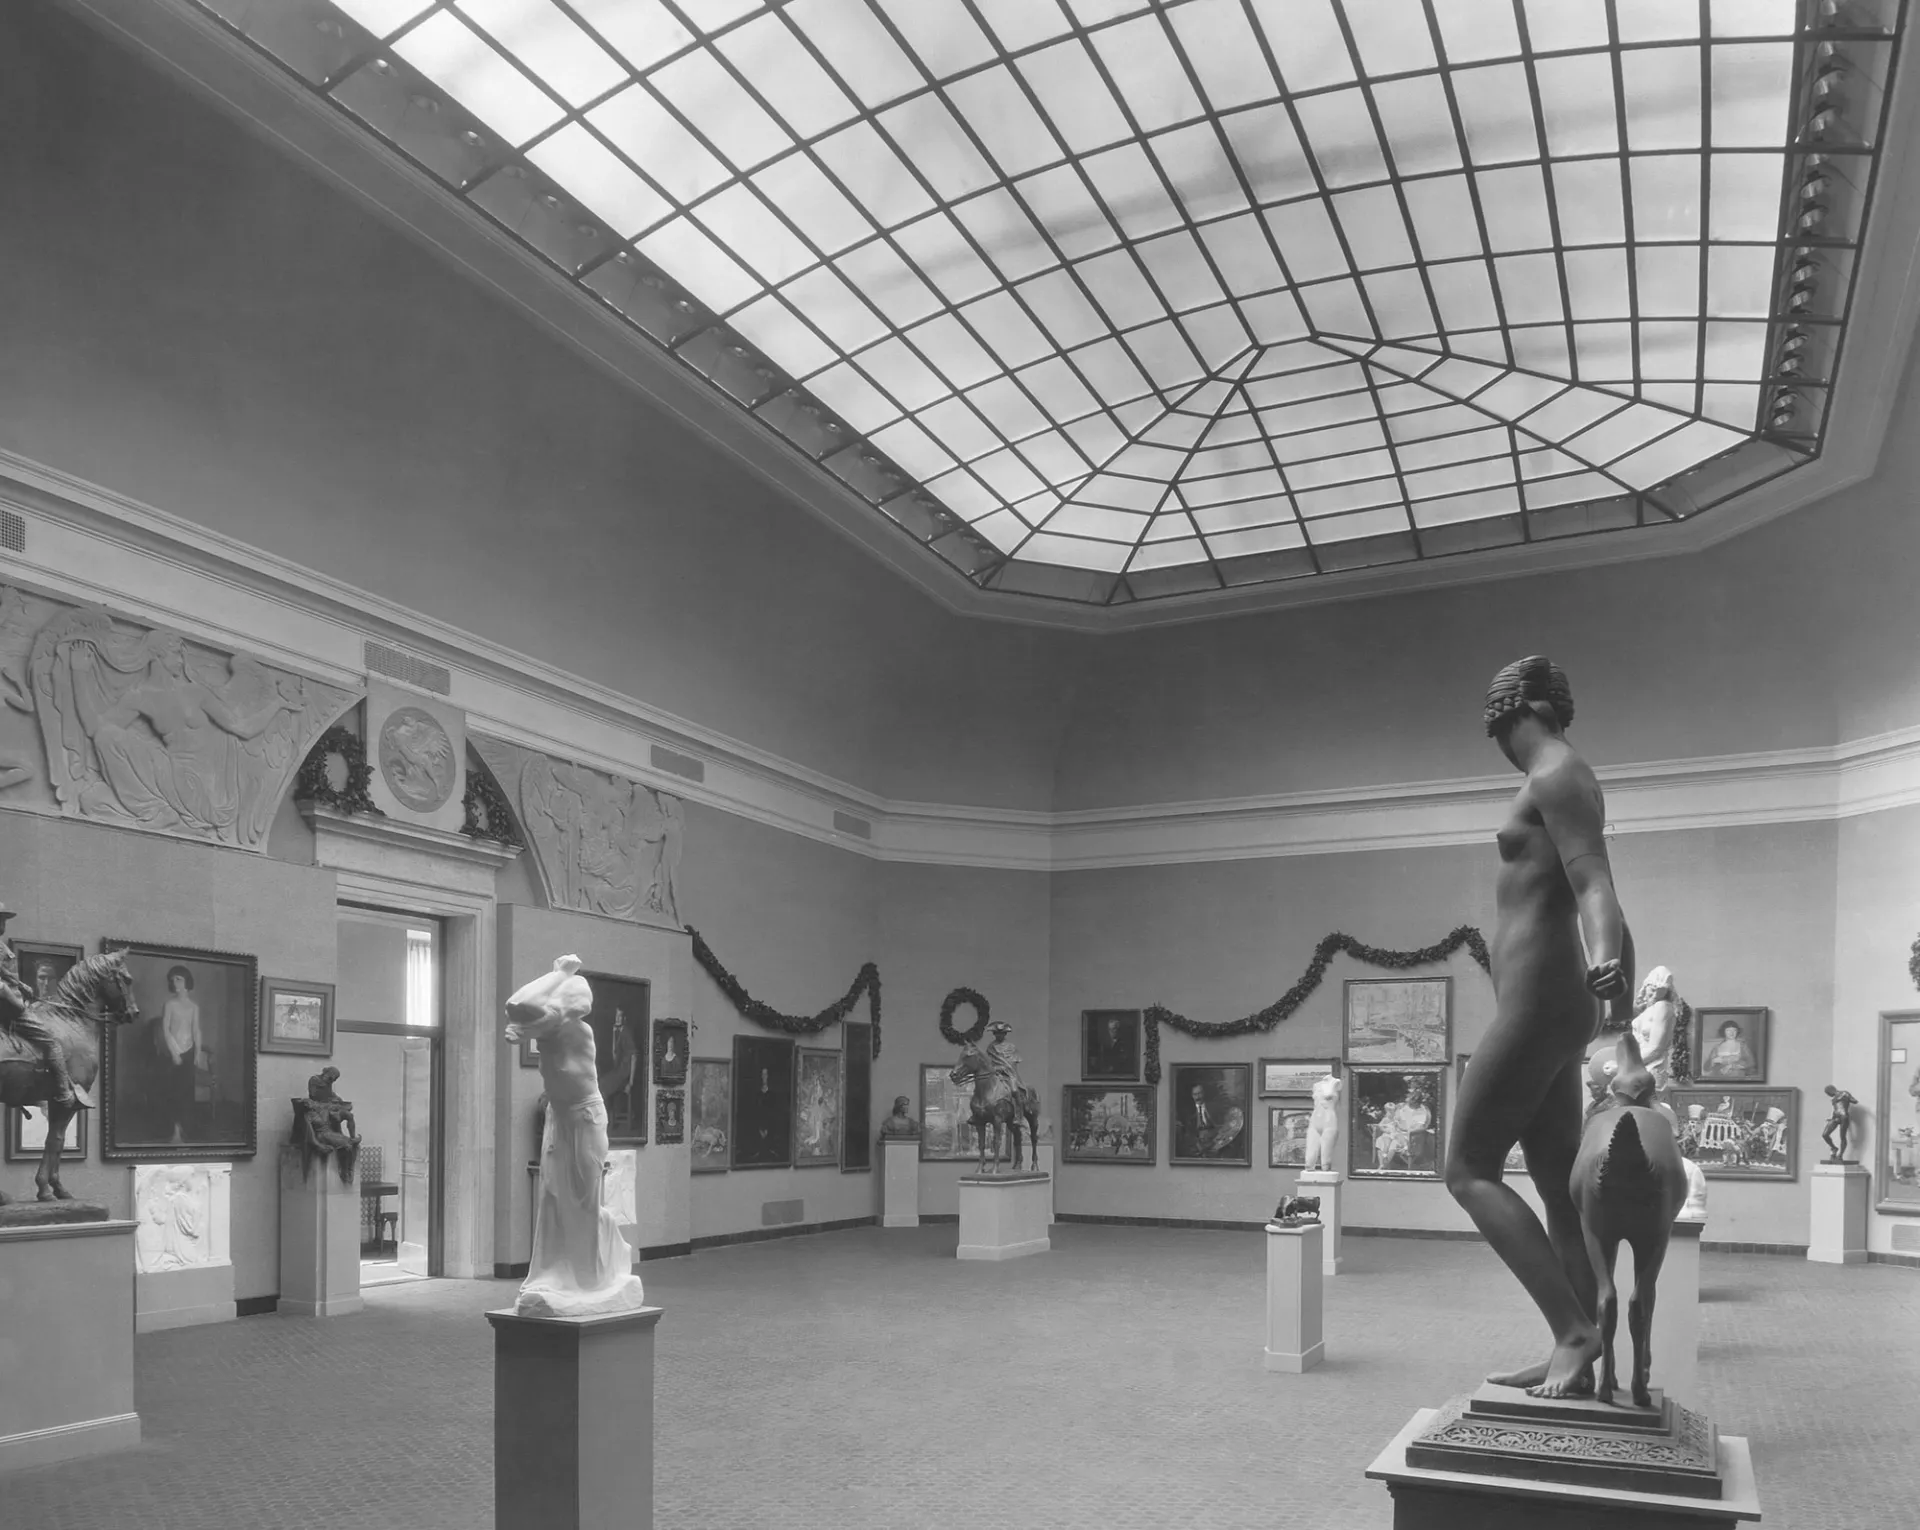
(581, 1265)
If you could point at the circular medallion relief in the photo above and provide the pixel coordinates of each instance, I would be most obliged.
(416, 758)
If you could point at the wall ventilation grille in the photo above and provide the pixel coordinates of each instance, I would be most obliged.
(408, 669)
(1906, 1238)
(846, 823)
(13, 532)
(781, 1213)
(683, 765)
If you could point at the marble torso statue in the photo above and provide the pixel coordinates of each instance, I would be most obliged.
(1323, 1126)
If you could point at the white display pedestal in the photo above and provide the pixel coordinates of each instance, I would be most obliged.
(900, 1184)
(1295, 1256)
(1004, 1216)
(319, 1240)
(183, 1265)
(1839, 1223)
(1676, 1316)
(1043, 1156)
(67, 1291)
(1327, 1184)
(573, 1421)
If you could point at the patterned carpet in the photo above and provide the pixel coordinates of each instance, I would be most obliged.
(867, 1378)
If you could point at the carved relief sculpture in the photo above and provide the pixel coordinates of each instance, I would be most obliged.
(182, 1211)
(603, 844)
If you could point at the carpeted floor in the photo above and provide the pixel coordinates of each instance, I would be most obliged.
(867, 1378)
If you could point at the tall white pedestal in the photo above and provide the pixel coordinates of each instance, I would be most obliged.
(66, 1290)
(1295, 1259)
(1676, 1317)
(1839, 1224)
(183, 1265)
(900, 1184)
(319, 1240)
(573, 1421)
(1004, 1216)
(1327, 1184)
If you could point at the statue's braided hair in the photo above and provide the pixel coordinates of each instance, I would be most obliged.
(1523, 684)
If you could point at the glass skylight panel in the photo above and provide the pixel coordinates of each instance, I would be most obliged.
(550, 44)
(774, 63)
(642, 32)
(455, 58)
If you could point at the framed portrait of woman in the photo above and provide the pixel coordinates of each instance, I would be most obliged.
(1730, 1046)
(181, 1082)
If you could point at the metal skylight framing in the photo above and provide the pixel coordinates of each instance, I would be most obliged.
(1169, 355)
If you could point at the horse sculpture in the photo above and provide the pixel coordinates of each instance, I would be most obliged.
(1001, 1106)
(94, 983)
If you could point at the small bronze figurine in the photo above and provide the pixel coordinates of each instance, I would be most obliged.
(323, 1126)
(899, 1124)
(1841, 1121)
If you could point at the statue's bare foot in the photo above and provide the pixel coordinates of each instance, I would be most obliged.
(1570, 1369)
(1526, 1376)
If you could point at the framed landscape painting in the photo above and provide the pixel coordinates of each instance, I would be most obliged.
(1210, 1104)
(296, 1017)
(1897, 1122)
(1730, 1046)
(1740, 1133)
(1108, 1125)
(182, 1081)
(762, 1102)
(1287, 1135)
(1395, 1127)
(1110, 1045)
(619, 1021)
(946, 1125)
(818, 1105)
(1294, 1075)
(710, 1090)
(1399, 1020)
(27, 1135)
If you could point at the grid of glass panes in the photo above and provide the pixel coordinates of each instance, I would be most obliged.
(1134, 287)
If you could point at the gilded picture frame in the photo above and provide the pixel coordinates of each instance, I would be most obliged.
(1735, 1133)
(296, 1018)
(1396, 1122)
(1110, 1046)
(1210, 1115)
(1107, 1123)
(1896, 1121)
(1730, 1045)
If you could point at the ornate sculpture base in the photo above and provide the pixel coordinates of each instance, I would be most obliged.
(1839, 1219)
(1499, 1460)
(1004, 1216)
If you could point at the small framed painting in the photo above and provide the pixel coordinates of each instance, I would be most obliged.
(529, 1051)
(1399, 1020)
(1294, 1075)
(1395, 1130)
(44, 964)
(1110, 1045)
(1897, 1123)
(670, 1116)
(1287, 1135)
(670, 1053)
(710, 1083)
(1106, 1125)
(818, 1102)
(27, 1135)
(1730, 1046)
(1209, 1103)
(296, 1017)
(1516, 1155)
(1740, 1133)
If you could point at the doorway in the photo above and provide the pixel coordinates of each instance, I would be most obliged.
(389, 1049)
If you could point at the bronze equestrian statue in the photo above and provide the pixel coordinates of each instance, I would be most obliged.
(1000, 1100)
(95, 983)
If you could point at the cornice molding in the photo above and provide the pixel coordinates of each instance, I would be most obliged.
(88, 544)
(241, 82)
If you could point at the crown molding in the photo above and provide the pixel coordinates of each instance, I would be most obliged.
(219, 67)
(88, 544)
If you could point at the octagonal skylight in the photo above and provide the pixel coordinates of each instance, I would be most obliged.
(1112, 301)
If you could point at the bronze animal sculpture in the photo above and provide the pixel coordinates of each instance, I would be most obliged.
(94, 983)
(1000, 1102)
(1629, 1183)
(1296, 1209)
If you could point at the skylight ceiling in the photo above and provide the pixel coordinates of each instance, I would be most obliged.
(1107, 301)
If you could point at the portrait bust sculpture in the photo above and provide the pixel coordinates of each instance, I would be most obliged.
(323, 1126)
(581, 1264)
(900, 1123)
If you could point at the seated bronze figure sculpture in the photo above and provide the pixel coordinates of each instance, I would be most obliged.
(323, 1126)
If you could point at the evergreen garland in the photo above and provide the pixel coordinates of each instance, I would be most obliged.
(314, 782)
(866, 981)
(1913, 964)
(1266, 1019)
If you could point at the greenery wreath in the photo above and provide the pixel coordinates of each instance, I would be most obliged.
(315, 781)
(981, 1009)
(866, 982)
(1913, 964)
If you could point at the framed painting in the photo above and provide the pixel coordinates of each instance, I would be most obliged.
(669, 1053)
(1739, 1133)
(529, 1052)
(182, 1082)
(1293, 1075)
(762, 1102)
(1110, 1045)
(710, 1089)
(819, 1108)
(27, 1135)
(1394, 1125)
(946, 1124)
(1210, 1104)
(619, 1021)
(1399, 1020)
(1897, 1122)
(44, 964)
(296, 1017)
(1516, 1155)
(1287, 1135)
(670, 1116)
(1105, 1125)
(1730, 1046)
(856, 1132)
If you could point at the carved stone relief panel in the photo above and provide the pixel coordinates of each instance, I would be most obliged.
(184, 1215)
(417, 746)
(107, 720)
(603, 844)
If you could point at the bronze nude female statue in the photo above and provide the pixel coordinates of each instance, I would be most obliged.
(1561, 943)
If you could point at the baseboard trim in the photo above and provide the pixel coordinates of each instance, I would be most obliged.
(1445, 1234)
(1197, 1223)
(1906, 1261)
(1792, 1250)
(256, 1306)
(666, 1251)
(763, 1234)
(67, 1442)
(952, 1218)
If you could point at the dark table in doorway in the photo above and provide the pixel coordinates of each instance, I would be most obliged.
(376, 1191)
